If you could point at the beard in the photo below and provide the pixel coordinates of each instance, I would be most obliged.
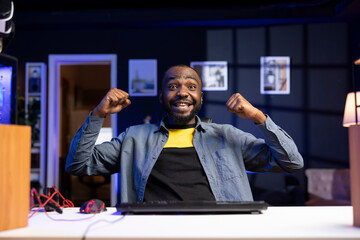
(182, 119)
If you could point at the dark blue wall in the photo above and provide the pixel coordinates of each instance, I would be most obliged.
(321, 55)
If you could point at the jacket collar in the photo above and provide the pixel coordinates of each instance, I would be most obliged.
(200, 126)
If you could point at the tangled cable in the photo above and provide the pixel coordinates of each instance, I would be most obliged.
(47, 202)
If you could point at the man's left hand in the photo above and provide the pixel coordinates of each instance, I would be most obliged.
(239, 105)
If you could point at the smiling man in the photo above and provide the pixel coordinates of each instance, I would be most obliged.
(181, 95)
(182, 158)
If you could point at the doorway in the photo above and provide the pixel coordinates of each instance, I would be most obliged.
(77, 83)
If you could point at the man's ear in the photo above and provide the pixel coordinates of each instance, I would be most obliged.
(201, 99)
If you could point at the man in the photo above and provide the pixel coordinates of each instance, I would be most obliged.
(182, 158)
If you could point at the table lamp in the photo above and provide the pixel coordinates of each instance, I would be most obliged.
(351, 120)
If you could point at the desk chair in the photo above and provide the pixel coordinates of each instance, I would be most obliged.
(205, 119)
(328, 187)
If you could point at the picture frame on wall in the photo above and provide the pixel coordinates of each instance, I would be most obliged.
(142, 77)
(214, 74)
(275, 75)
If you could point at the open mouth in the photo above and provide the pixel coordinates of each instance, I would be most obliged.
(181, 106)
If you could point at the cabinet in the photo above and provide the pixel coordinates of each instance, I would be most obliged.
(35, 114)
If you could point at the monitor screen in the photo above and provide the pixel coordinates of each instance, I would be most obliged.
(8, 70)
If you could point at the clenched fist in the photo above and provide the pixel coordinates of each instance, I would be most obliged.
(239, 105)
(114, 101)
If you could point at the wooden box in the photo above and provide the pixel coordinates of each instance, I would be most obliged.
(15, 153)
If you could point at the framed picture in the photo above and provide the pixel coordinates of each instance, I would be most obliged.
(275, 75)
(35, 73)
(142, 77)
(214, 74)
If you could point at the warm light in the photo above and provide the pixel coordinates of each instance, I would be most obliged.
(349, 113)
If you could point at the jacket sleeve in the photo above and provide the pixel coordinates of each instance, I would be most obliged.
(86, 158)
(276, 153)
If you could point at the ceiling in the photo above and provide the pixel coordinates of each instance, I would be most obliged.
(145, 11)
(73, 4)
(319, 5)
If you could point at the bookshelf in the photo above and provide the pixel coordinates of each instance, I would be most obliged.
(35, 112)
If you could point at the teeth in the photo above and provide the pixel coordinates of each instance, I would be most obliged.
(182, 104)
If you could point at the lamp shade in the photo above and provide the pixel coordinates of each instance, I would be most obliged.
(350, 108)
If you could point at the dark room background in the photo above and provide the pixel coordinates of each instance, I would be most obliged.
(321, 49)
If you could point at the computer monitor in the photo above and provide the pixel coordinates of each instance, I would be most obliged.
(8, 77)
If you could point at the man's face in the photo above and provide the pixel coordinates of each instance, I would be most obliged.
(181, 95)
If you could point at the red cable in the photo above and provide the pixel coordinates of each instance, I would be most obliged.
(66, 202)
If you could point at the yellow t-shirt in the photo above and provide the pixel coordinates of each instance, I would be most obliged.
(180, 138)
(178, 173)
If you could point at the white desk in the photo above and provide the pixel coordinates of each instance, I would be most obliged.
(275, 223)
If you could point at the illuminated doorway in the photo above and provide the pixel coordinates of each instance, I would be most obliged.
(76, 84)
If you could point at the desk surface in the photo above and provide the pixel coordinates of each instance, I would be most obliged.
(274, 223)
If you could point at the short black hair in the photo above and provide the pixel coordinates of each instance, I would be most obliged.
(180, 65)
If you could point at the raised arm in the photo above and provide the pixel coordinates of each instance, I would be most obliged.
(239, 105)
(114, 101)
(277, 153)
(84, 158)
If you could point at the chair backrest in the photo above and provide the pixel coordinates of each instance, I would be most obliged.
(329, 184)
(205, 119)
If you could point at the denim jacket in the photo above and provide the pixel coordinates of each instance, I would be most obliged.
(225, 153)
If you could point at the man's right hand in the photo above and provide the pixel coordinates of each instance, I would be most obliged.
(114, 101)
